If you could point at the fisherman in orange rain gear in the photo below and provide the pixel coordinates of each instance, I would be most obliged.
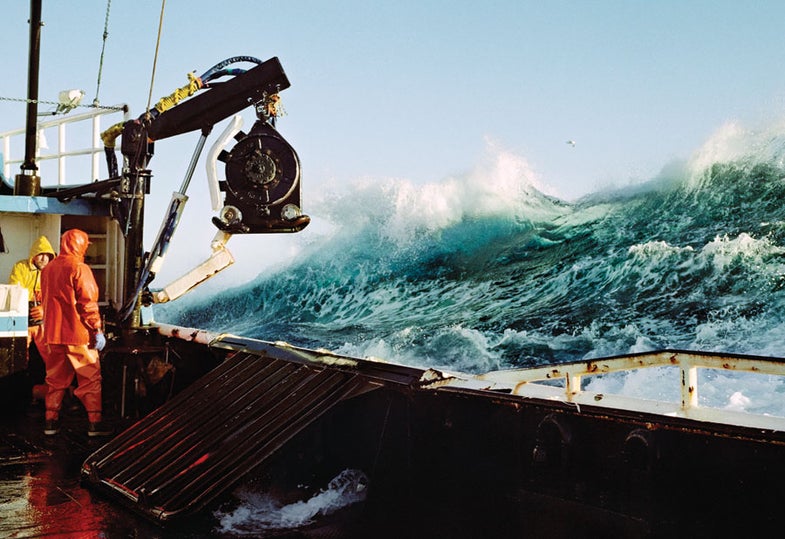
(27, 273)
(73, 332)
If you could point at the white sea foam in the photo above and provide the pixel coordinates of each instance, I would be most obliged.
(724, 249)
(261, 511)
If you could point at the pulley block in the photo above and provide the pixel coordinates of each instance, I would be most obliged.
(262, 184)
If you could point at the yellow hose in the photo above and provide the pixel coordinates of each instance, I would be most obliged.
(165, 103)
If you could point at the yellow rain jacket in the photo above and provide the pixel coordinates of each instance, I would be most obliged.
(25, 273)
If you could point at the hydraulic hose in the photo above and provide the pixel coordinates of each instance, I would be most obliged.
(216, 71)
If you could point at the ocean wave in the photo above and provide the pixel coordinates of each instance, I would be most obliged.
(484, 271)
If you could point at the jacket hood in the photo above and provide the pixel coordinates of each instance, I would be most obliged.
(74, 242)
(41, 245)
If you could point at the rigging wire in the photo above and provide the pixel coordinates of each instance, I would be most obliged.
(103, 48)
(155, 58)
(96, 102)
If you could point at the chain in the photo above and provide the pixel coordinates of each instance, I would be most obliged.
(38, 101)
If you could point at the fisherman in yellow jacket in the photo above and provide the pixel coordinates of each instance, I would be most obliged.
(27, 273)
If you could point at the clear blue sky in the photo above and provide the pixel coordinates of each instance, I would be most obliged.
(419, 89)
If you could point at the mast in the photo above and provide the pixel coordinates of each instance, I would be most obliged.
(28, 182)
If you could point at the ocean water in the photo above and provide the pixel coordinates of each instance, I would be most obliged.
(487, 272)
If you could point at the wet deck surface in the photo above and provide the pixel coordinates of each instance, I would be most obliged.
(40, 493)
(40, 490)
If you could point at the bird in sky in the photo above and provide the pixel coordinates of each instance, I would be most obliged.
(571, 143)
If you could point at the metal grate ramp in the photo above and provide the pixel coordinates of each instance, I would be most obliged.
(177, 459)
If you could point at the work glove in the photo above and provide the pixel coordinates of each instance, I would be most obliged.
(100, 341)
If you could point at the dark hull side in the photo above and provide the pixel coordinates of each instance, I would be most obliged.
(444, 464)
(450, 462)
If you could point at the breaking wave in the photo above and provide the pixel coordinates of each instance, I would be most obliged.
(485, 271)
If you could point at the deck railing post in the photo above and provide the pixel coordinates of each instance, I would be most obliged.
(572, 384)
(96, 141)
(689, 384)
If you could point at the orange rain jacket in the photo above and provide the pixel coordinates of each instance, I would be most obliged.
(70, 293)
(25, 273)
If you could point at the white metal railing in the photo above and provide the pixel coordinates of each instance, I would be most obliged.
(13, 142)
(687, 362)
(538, 382)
